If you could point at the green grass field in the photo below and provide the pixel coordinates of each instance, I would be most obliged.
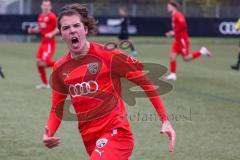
(204, 106)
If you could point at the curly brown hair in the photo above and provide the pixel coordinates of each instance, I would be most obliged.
(174, 4)
(78, 9)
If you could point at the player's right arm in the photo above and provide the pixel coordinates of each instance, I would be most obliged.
(55, 117)
(170, 33)
(54, 120)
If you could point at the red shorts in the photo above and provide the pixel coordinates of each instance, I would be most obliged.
(181, 46)
(115, 145)
(46, 51)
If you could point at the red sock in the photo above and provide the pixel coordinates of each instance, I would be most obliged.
(196, 54)
(173, 66)
(42, 74)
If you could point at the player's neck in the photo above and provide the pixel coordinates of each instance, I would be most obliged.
(174, 11)
(46, 13)
(83, 52)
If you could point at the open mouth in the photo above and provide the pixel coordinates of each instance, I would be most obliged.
(75, 41)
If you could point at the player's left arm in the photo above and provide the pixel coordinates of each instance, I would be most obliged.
(55, 30)
(170, 33)
(180, 25)
(142, 80)
(132, 70)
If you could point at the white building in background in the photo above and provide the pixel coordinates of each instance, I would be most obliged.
(15, 7)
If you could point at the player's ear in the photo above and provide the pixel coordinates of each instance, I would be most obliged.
(60, 33)
(86, 29)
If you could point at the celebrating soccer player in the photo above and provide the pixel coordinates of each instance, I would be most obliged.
(47, 26)
(237, 65)
(181, 42)
(90, 75)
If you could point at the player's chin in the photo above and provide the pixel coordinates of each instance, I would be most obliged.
(72, 46)
(75, 49)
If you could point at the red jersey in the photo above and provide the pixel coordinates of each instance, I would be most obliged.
(47, 23)
(179, 25)
(93, 83)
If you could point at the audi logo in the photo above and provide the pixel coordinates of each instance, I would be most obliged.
(83, 88)
(228, 28)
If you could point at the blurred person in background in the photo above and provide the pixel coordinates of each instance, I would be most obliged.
(237, 65)
(124, 23)
(1, 72)
(47, 26)
(181, 43)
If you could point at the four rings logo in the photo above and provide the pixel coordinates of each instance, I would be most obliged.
(83, 88)
(228, 28)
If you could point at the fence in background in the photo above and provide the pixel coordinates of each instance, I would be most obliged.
(135, 10)
(139, 26)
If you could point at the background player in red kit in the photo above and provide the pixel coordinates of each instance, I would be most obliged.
(181, 43)
(47, 26)
(91, 76)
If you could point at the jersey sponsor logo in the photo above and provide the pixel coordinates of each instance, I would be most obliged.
(93, 67)
(84, 88)
(101, 142)
(228, 28)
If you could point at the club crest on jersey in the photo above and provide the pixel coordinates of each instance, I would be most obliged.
(101, 142)
(93, 67)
